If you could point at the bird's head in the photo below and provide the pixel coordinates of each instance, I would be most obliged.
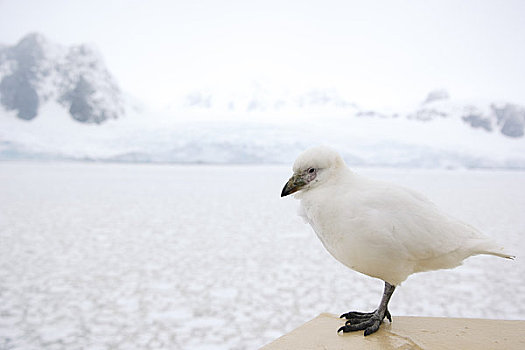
(312, 168)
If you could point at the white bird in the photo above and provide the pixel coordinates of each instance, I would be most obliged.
(377, 228)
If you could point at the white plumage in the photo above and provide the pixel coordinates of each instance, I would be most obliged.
(377, 228)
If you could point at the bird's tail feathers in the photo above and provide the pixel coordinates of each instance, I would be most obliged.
(491, 248)
(500, 254)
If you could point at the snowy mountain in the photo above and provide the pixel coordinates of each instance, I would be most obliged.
(62, 103)
(35, 72)
(506, 118)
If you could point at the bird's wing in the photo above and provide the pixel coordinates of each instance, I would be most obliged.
(413, 222)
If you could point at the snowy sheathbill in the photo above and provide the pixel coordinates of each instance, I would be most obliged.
(379, 229)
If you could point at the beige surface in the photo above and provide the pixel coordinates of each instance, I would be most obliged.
(406, 333)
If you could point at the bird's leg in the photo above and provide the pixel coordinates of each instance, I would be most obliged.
(369, 321)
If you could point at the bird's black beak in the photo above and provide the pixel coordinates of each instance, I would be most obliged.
(293, 185)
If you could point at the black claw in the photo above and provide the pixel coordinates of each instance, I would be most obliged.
(368, 321)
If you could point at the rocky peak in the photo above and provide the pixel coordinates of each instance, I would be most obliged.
(29, 51)
(34, 71)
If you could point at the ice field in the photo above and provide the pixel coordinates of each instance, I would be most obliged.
(133, 256)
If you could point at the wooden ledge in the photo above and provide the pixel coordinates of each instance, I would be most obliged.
(406, 333)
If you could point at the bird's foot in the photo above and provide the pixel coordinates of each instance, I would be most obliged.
(368, 321)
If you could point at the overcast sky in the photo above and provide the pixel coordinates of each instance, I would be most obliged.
(376, 53)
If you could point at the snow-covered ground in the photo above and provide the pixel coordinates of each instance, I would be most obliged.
(135, 256)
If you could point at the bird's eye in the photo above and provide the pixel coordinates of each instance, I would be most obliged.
(311, 170)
